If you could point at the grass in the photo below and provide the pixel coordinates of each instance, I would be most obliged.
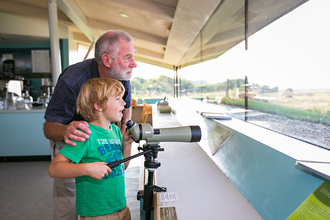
(314, 116)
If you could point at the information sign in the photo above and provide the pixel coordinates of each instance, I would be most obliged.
(316, 206)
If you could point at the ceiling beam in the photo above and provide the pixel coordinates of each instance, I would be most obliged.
(151, 8)
(73, 11)
(134, 33)
(190, 18)
(80, 37)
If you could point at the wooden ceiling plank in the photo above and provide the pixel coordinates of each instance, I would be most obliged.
(134, 33)
(26, 10)
(151, 8)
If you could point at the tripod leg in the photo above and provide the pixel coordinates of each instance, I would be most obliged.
(148, 196)
(148, 201)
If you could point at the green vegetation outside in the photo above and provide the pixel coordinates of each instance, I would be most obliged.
(163, 87)
(303, 115)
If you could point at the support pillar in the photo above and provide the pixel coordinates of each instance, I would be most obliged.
(54, 40)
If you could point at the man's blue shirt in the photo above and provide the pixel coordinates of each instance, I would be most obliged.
(62, 105)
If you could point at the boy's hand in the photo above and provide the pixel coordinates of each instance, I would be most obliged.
(127, 137)
(98, 170)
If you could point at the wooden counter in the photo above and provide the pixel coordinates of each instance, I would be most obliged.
(203, 190)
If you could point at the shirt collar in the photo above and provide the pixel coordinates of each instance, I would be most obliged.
(94, 69)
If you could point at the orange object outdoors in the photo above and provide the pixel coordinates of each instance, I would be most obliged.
(147, 110)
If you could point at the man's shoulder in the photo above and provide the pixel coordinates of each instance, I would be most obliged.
(83, 64)
(77, 72)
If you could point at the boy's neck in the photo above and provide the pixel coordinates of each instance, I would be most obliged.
(102, 124)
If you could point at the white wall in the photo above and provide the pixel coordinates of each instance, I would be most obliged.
(73, 49)
(28, 26)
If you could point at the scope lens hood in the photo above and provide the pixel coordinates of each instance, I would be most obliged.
(196, 133)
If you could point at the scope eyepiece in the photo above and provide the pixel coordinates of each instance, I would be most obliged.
(129, 124)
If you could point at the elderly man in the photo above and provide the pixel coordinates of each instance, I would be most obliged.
(114, 58)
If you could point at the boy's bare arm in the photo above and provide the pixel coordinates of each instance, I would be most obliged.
(61, 168)
(127, 147)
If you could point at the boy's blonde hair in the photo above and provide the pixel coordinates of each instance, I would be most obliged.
(96, 90)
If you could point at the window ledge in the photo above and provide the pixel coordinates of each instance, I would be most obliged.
(299, 150)
(307, 155)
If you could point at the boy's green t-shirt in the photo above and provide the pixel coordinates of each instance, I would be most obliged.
(105, 196)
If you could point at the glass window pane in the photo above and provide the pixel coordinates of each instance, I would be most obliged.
(288, 72)
(286, 66)
(151, 81)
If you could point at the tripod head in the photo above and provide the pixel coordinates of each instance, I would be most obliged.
(150, 154)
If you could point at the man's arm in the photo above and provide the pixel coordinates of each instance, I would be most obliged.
(58, 132)
(127, 112)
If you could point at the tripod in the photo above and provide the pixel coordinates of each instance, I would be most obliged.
(150, 152)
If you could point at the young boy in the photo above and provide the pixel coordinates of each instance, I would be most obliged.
(100, 190)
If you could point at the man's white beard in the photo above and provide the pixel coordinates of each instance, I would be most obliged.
(120, 74)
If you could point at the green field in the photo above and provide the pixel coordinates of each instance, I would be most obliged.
(312, 106)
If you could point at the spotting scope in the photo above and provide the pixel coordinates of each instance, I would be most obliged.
(144, 131)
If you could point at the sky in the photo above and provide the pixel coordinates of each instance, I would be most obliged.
(306, 63)
(292, 52)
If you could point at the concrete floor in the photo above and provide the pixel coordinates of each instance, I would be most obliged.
(26, 190)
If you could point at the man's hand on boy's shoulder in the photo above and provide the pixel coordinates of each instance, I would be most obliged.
(77, 131)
